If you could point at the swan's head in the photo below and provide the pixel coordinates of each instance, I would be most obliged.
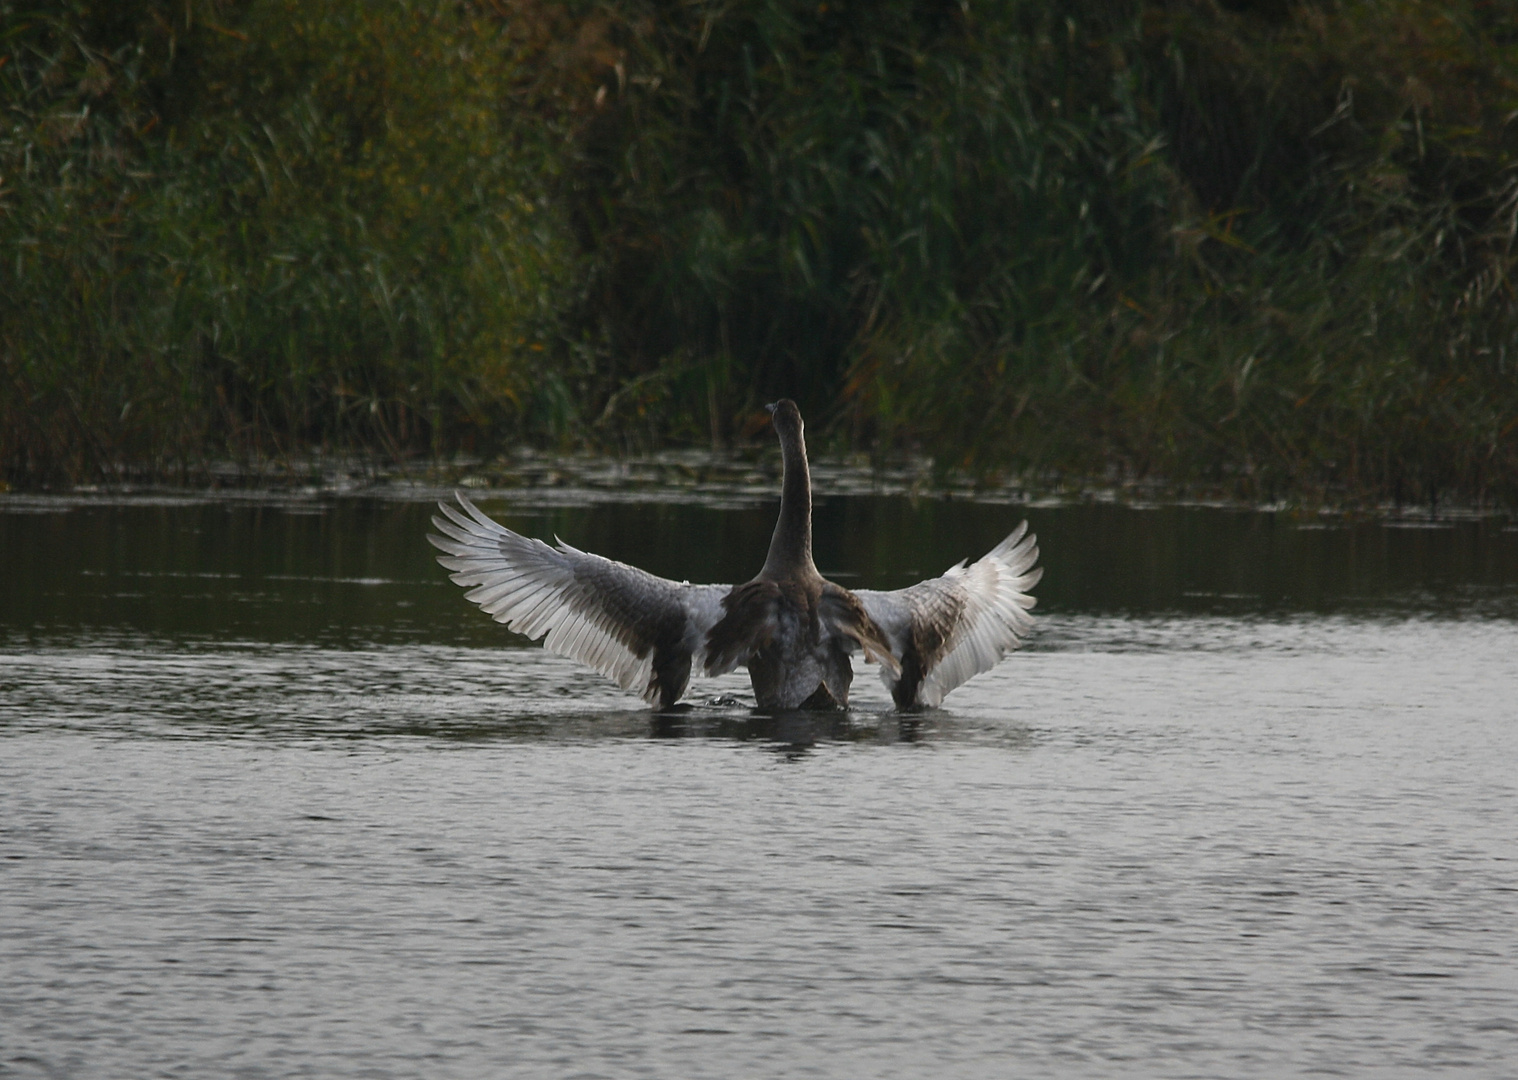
(785, 416)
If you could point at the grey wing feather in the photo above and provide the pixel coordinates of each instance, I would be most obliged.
(949, 628)
(638, 629)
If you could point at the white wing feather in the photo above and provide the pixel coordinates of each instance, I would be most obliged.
(603, 613)
(980, 613)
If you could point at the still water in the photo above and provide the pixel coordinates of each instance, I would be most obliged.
(275, 801)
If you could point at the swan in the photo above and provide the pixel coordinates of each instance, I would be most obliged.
(794, 630)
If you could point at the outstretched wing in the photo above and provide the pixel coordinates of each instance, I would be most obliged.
(947, 629)
(640, 630)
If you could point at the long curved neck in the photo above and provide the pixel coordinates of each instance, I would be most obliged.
(791, 545)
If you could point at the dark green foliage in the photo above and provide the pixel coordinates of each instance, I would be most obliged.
(1261, 246)
(246, 229)
(1265, 247)
(780, 190)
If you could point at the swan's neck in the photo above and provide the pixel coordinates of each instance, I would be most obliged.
(791, 546)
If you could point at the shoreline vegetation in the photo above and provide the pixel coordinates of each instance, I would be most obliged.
(749, 475)
(1256, 251)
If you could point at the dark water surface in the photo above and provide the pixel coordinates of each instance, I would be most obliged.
(275, 801)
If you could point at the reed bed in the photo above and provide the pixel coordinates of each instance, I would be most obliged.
(1262, 248)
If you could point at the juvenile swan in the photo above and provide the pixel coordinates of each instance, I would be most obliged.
(792, 629)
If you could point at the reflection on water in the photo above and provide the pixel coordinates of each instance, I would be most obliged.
(275, 800)
(346, 571)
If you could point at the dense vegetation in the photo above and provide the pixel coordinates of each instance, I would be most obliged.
(1261, 246)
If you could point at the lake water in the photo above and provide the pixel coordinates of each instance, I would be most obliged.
(276, 801)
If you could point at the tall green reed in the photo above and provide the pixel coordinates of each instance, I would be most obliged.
(258, 229)
(1263, 247)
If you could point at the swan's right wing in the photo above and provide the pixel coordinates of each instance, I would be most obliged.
(949, 628)
(640, 630)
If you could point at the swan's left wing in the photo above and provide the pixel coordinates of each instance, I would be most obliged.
(641, 630)
(949, 628)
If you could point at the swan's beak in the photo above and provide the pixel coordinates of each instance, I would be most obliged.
(772, 406)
